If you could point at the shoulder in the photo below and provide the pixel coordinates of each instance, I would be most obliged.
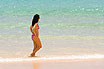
(35, 25)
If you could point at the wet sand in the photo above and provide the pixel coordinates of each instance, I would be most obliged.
(55, 64)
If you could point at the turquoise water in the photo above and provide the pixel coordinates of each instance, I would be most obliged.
(51, 7)
(72, 17)
(79, 22)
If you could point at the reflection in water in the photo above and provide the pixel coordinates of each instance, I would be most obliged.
(36, 65)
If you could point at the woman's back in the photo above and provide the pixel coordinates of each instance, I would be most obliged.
(35, 29)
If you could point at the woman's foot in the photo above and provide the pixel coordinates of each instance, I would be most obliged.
(32, 55)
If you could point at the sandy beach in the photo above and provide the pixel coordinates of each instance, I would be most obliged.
(71, 33)
(55, 64)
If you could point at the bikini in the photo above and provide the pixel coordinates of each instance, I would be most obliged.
(34, 34)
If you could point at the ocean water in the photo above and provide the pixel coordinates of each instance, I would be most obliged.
(67, 27)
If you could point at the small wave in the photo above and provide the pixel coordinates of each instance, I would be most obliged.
(73, 57)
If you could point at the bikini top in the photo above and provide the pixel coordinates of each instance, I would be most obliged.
(38, 26)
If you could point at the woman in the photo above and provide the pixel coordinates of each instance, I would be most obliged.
(35, 34)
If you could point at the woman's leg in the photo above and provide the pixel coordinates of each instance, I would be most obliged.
(38, 45)
(33, 54)
(34, 43)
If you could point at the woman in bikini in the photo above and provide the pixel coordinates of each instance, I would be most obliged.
(35, 34)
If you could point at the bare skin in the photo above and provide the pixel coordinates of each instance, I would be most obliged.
(36, 40)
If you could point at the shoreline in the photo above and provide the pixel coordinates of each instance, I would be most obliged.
(55, 64)
(52, 58)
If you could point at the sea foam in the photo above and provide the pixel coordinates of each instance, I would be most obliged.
(72, 57)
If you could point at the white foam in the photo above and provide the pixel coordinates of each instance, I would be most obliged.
(96, 56)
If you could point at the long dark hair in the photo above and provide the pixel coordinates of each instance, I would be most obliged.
(35, 19)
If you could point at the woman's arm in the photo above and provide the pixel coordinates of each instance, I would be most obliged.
(35, 29)
(31, 29)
